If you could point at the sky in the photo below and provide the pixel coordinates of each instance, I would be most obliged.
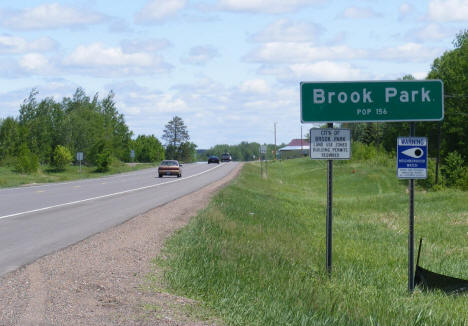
(230, 69)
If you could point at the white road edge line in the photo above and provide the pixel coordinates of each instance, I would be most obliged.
(108, 195)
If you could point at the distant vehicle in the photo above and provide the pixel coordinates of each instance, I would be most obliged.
(226, 157)
(213, 159)
(170, 167)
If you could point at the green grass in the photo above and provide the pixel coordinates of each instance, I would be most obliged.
(10, 178)
(256, 255)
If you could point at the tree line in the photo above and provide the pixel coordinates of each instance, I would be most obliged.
(244, 151)
(50, 132)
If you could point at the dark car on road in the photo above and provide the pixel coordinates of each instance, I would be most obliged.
(213, 159)
(170, 167)
(226, 157)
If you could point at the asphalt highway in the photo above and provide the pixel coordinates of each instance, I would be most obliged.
(38, 220)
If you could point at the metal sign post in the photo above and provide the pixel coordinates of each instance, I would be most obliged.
(329, 212)
(411, 227)
(411, 164)
(79, 157)
(263, 149)
(330, 144)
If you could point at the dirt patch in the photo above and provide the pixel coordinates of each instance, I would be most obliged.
(102, 280)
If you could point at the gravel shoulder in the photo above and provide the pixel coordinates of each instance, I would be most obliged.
(102, 280)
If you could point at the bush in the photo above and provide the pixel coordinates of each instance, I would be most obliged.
(104, 161)
(376, 155)
(8, 161)
(429, 182)
(62, 157)
(26, 162)
(462, 182)
(362, 152)
(453, 169)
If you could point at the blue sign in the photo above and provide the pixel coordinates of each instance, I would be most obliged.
(412, 158)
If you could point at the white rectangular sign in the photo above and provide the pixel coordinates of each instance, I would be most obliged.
(263, 149)
(330, 144)
(79, 156)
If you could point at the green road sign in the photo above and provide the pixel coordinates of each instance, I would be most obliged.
(364, 101)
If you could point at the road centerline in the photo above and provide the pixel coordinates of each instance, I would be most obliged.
(106, 196)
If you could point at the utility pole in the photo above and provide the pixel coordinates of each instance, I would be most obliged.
(275, 140)
(301, 141)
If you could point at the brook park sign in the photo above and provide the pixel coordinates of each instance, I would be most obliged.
(375, 101)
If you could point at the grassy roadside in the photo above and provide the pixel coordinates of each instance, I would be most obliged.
(256, 255)
(10, 178)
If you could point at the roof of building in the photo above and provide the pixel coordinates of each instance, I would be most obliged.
(293, 148)
(295, 145)
(297, 142)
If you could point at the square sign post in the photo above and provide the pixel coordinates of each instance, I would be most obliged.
(411, 164)
(263, 149)
(330, 144)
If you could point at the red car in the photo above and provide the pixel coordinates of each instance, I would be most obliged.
(170, 167)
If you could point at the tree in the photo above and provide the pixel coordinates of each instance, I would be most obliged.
(175, 135)
(9, 138)
(187, 152)
(175, 132)
(62, 157)
(26, 162)
(148, 149)
(452, 69)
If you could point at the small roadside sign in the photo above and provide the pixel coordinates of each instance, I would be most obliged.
(132, 154)
(330, 144)
(79, 157)
(412, 157)
(263, 149)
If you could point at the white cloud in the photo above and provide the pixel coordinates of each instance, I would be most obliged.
(255, 87)
(448, 10)
(265, 6)
(321, 70)
(200, 55)
(49, 16)
(429, 32)
(326, 70)
(100, 60)
(97, 54)
(359, 13)
(285, 31)
(15, 45)
(156, 11)
(36, 63)
(149, 45)
(413, 52)
(277, 52)
(420, 74)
